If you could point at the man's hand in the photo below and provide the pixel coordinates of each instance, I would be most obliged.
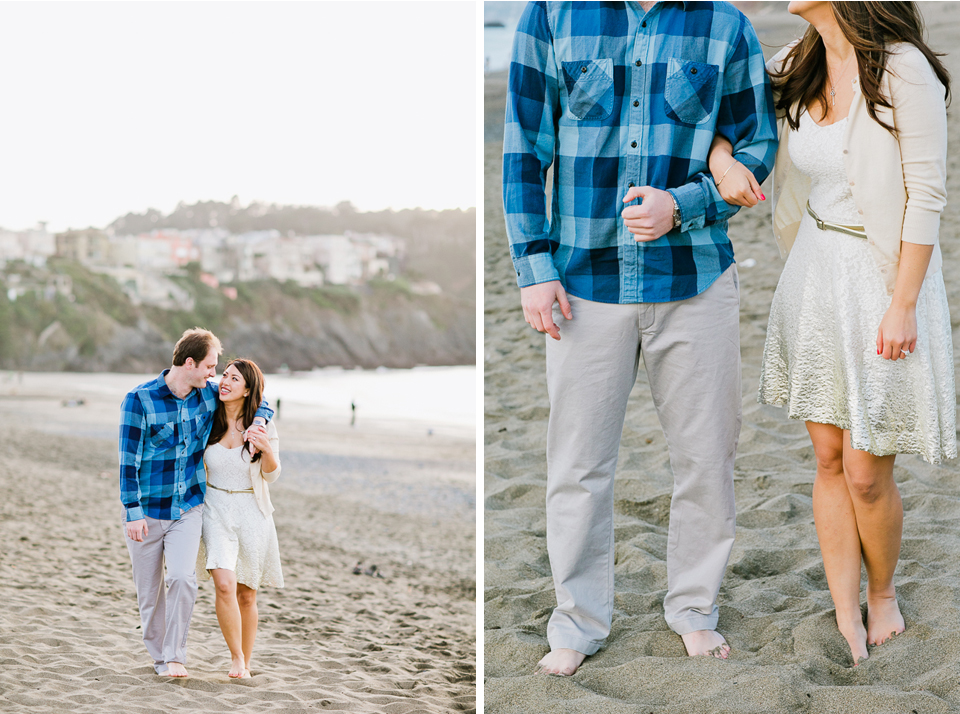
(137, 530)
(652, 218)
(537, 303)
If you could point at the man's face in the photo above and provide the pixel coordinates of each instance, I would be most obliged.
(200, 373)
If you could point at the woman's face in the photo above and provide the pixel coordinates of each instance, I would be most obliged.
(805, 8)
(232, 385)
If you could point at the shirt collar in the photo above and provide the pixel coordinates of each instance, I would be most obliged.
(163, 391)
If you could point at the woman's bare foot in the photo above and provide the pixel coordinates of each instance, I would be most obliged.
(706, 642)
(562, 662)
(175, 669)
(238, 668)
(884, 620)
(855, 634)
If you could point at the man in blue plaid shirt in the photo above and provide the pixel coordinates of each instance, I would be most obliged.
(623, 100)
(164, 427)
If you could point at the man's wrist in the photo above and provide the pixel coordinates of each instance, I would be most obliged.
(677, 216)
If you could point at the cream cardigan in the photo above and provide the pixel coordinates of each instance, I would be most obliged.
(258, 478)
(898, 183)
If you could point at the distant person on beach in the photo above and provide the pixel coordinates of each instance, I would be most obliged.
(239, 546)
(164, 426)
(623, 99)
(859, 339)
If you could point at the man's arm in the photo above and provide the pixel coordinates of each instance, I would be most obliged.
(263, 410)
(528, 145)
(133, 428)
(747, 120)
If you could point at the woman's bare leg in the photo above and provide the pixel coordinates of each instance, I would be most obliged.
(247, 599)
(879, 509)
(228, 615)
(836, 521)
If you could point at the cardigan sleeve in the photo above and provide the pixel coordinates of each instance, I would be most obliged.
(920, 117)
(274, 439)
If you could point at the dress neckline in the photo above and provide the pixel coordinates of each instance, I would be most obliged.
(825, 126)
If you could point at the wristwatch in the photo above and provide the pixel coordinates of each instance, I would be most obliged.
(677, 218)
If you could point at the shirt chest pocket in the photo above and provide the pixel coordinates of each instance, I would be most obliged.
(690, 91)
(201, 423)
(589, 85)
(162, 436)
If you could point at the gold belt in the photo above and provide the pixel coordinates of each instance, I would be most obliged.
(857, 231)
(227, 490)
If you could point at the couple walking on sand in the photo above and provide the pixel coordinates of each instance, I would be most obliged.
(194, 469)
(671, 103)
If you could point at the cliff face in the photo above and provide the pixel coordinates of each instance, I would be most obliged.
(273, 324)
(391, 338)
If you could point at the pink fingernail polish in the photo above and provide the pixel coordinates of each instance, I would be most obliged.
(762, 197)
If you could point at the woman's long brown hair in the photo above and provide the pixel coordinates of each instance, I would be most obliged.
(869, 27)
(253, 378)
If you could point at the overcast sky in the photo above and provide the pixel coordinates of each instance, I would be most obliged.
(107, 108)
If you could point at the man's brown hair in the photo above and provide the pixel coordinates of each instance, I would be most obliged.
(195, 344)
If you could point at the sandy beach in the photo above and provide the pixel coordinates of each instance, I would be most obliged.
(775, 609)
(378, 493)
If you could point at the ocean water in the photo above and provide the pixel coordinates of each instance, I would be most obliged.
(442, 399)
(497, 42)
(438, 399)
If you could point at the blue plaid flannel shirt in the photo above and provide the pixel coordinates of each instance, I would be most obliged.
(162, 439)
(612, 98)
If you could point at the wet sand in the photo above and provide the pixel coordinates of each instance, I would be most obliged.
(775, 608)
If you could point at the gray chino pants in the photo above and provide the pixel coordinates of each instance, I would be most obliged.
(691, 351)
(166, 604)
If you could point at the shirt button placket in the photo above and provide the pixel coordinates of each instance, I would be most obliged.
(630, 289)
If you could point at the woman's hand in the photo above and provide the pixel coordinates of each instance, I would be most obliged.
(735, 182)
(897, 336)
(257, 436)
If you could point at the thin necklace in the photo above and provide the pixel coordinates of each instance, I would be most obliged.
(833, 89)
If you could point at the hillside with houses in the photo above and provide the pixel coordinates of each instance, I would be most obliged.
(291, 287)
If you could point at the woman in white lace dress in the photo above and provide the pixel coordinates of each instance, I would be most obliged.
(239, 545)
(859, 338)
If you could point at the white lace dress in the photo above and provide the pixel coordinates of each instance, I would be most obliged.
(820, 358)
(236, 534)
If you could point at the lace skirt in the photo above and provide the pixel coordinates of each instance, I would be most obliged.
(820, 357)
(238, 537)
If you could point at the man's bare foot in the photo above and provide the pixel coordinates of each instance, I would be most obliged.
(175, 669)
(562, 662)
(706, 642)
(884, 620)
(855, 634)
(238, 669)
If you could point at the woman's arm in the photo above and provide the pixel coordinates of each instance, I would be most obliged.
(735, 182)
(920, 118)
(268, 442)
(897, 335)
